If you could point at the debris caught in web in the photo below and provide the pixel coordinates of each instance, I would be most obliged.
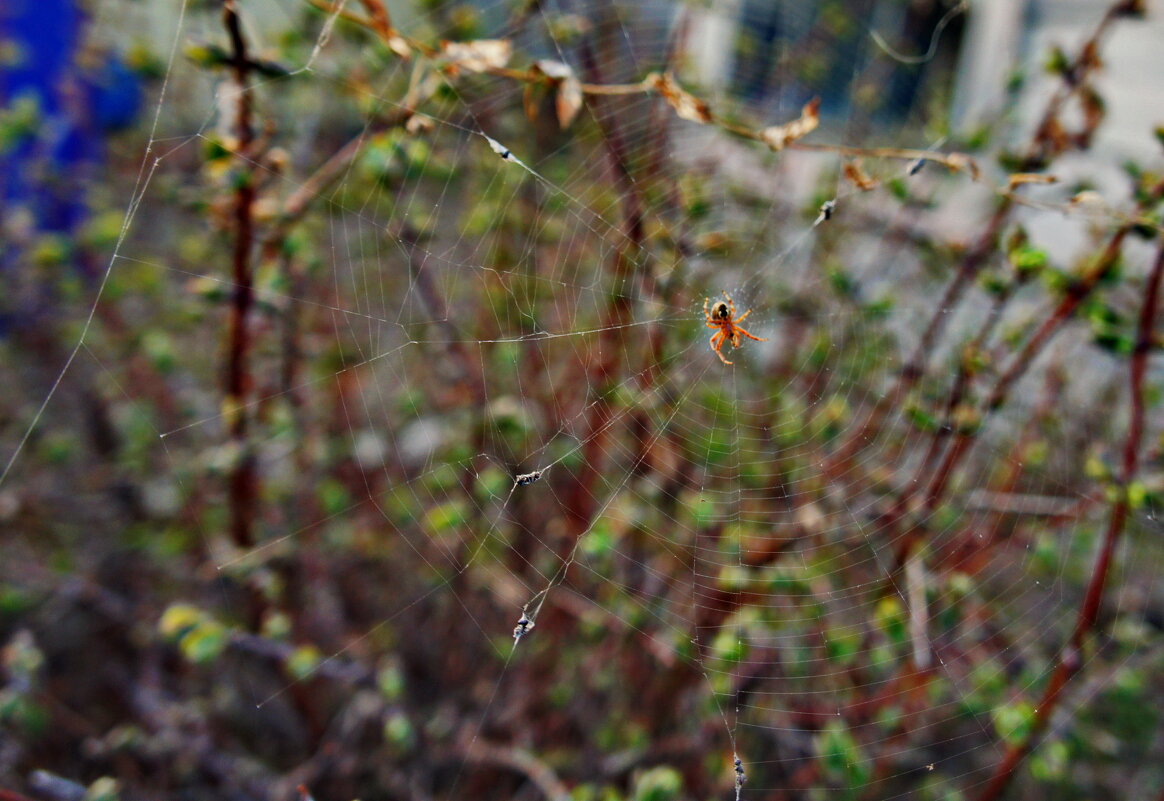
(916, 166)
(499, 149)
(524, 624)
(826, 211)
(526, 479)
(741, 777)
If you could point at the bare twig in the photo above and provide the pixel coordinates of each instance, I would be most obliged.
(243, 489)
(54, 787)
(539, 773)
(656, 83)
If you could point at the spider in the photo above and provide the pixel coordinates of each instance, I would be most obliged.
(723, 317)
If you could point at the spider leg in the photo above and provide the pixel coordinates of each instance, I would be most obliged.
(715, 346)
(749, 335)
(706, 313)
(731, 303)
(743, 317)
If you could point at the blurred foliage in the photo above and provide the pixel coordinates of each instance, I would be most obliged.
(707, 568)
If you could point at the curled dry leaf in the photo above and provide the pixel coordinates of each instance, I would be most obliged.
(569, 88)
(418, 124)
(1094, 109)
(1020, 178)
(856, 175)
(780, 136)
(569, 100)
(1088, 197)
(555, 70)
(478, 56)
(1053, 137)
(686, 105)
(382, 24)
(960, 162)
(398, 45)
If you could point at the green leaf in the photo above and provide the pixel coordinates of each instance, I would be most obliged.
(1050, 762)
(444, 517)
(842, 643)
(398, 730)
(841, 756)
(599, 540)
(205, 643)
(178, 621)
(390, 680)
(104, 789)
(1013, 721)
(660, 783)
(890, 618)
(304, 661)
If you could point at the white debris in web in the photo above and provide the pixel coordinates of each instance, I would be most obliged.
(524, 624)
(741, 777)
(501, 150)
(525, 479)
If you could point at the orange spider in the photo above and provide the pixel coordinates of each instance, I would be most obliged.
(723, 317)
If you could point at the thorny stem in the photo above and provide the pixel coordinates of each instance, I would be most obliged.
(1070, 659)
(243, 480)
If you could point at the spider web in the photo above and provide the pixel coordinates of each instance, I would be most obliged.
(483, 394)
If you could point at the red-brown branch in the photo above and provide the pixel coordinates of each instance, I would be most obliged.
(243, 489)
(1070, 659)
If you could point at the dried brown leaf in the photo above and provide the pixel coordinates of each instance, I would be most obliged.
(779, 137)
(960, 162)
(1020, 178)
(1088, 197)
(418, 124)
(1053, 136)
(1094, 109)
(569, 98)
(686, 105)
(856, 175)
(553, 69)
(398, 45)
(382, 24)
(569, 101)
(480, 55)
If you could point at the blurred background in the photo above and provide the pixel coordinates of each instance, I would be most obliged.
(340, 339)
